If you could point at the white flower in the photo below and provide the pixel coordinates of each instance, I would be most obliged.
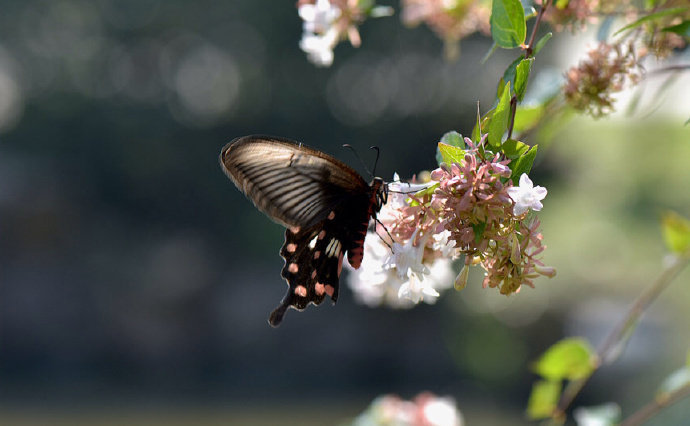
(526, 196)
(416, 288)
(407, 259)
(442, 412)
(319, 48)
(375, 285)
(443, 244)
(318, 17)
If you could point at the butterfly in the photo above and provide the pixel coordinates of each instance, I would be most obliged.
(324, 204)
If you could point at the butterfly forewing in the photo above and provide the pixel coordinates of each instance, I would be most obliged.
(325, 205)
(292, 184)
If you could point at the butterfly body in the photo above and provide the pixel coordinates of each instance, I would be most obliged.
(324, 204)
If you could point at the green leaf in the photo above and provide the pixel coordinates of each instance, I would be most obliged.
(480, 127)
(514, 149)
(682, 29)
(571, 359)
(488, 54)
(521, 77)
(562, 4)
(450, 154)
(453, 138)
(523, 164)
(542, 41)
(508, 76)
(478, 229)
(499, 120)
(676, 231)
(477, 130)
(675, 381)
(508, 27)
(543, 399)
(527, 116)
(651, 17)
(603, 415)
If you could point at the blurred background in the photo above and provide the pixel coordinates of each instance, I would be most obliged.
(136, 281)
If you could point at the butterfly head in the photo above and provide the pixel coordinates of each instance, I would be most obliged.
(379, 190)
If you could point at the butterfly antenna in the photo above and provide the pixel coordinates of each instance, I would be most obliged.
(348, 146)
(376, 219)
(378, 152)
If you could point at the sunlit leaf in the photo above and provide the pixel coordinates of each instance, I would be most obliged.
(514, 149)
(522, 76)
(508, 27)
(651, 17)
(451, 154)
(499, 120)
(676, 231)
(523, 164)
(451, 138)
(571, 359)
(543, 399)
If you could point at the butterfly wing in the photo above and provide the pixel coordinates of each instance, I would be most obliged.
(293, 184)
(325, 205)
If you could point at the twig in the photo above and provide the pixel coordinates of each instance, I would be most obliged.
(529, 50)
(530, 44)
(659, 403)
(623, 330)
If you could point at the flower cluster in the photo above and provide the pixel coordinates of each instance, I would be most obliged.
(469, 208)
(326, 22)
(425, 409)
(657, 40)
(451, 20)
(608, 69)
(487, 219)
(408, 269)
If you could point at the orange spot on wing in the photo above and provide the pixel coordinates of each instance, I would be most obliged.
(331, 215)
(291, 248)
(320, 289)
(322, 234)
(330, 290)
(294, 229)
(293, 268)
(301, 291)
(340, 263)
(317, 254)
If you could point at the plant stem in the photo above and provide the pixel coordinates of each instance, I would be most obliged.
(613, 344)
(513, 110)
(529, 50)
(530, 44)
(658, 404)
